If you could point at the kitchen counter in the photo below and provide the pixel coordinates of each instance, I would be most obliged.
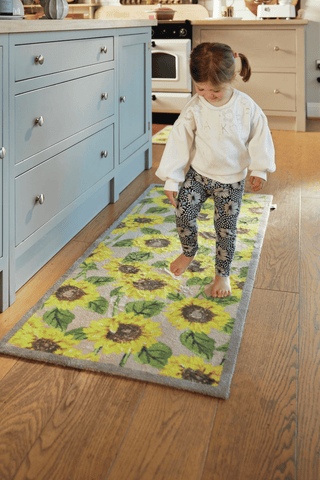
(254, 23)
(34, 26)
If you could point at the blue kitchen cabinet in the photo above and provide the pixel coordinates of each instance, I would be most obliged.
(4, 159)
(79, 133)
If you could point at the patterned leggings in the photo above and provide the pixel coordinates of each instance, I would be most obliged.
(195, 190)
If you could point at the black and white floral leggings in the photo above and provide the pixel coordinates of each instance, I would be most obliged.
(195, 190)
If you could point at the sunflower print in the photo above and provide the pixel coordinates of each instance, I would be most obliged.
(99, 254)
(117, 269)
(244, 255)
(148, 286)
(124, 333)
(162, 201)
(196, 314)
(157, 244)
(72, 294)
(35, 336)
(193, 369)
(201, 266)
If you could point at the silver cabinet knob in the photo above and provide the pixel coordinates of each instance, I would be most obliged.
(39, 59)
(39, 121)
(276, 91)
(276, 49)
(104, 49)
(2, 152)
(104, 153)
(123, 99)
(40, 198)
(104, 96)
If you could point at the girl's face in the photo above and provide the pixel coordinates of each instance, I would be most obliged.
(209, 92)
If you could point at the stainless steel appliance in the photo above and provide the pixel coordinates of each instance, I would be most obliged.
(171, 80)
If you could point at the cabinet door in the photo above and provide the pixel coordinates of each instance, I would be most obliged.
(1, 143)
(135, 92)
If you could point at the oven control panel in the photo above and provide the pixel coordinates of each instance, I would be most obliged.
(172, 30)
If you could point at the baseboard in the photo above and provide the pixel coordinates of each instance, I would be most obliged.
(313, 110)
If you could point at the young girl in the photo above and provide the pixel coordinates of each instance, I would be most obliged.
(221, 132)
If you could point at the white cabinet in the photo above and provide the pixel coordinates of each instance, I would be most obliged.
(276, 52)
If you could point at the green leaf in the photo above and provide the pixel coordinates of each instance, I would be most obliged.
(207, 206)
(225, 301)
(77, 333)
(99, 281)
(198, 343)
(147, 308)
(158, 210)
(243, 272)
(196, 281)
(248, 241)
(223, 348)
(156, 356)
(248, 220)
(116, 292)
(59, 319)
(228, 327)
(150, 231)
(138, 257)
(169, 219)
(88, 266)
(161, 264)
(175, 297)
(205, 251)
(124, 243)
(100, 305)
(147, 200)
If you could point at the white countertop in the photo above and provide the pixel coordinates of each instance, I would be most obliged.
(25, 26)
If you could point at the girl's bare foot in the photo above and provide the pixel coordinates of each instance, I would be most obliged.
(221, 287)
(180, 264)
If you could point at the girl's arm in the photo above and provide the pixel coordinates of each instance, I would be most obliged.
(261, 148)
(177, 153)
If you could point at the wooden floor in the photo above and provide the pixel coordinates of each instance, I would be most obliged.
(63, 424)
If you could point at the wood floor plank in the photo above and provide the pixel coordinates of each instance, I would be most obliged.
(278, 267)
(28, 398)
(308, 461)
(253, 437)
(83, 436)
(168, 436)
(310, 165)
(6, 363)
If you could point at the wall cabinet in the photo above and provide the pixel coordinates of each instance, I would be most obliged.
(79, 133)
(277, 57)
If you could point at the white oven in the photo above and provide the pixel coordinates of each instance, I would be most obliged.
(171, 80)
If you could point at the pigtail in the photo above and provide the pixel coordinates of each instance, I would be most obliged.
(245, 72)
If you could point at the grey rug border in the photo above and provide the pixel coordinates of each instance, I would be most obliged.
(221, 391)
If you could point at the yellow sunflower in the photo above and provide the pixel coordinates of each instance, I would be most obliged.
(202, 266)
(199, 315)
(247, 230)
(35, 336)
(158, 244)
(148, 286)
(72, 294)
(117, 269)
(143, 220)
(237, 285)
(193, 369)
(244, 255)
(99, 254)
(124, 333)
(162, 201)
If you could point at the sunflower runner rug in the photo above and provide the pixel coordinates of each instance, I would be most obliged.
(118, 310)
(161, 137)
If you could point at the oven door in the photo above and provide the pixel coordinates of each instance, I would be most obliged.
(170, 65)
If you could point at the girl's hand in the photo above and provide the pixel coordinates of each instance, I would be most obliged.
(171, 196)
(256, 183)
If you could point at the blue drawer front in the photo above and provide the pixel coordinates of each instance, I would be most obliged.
(60, 56)
(61, 180)
(66, 108)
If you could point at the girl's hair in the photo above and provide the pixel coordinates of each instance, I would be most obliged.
(215, 63)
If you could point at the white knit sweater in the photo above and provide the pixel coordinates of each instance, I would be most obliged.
(221, 143)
